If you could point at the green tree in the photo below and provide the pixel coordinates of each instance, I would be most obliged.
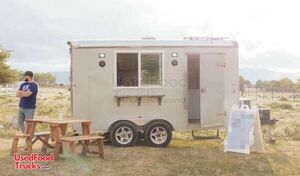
(286, 83)
(282, 83)
(260, 84)
(247, 83)
(7, 75)
(297, 85)
(273, 84)
(244, 84)
(44, 79)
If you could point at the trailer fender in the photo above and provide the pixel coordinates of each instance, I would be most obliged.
(140, 127)
(159, 120)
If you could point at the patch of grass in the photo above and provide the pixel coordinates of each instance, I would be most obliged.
(183, 156)
(5, 124)
(283, 99)
(60, 96)
(45, 110)
(50, 102)
(296, 137)
(276, 105)
(171, 160)
(293, 131)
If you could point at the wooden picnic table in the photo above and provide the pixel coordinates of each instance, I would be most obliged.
(57, 132)
(58, 129)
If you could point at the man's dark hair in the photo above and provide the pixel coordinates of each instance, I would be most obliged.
(28, 73)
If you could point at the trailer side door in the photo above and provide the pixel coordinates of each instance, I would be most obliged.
(212, 90)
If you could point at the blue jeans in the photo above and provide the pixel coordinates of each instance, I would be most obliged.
(25, 114)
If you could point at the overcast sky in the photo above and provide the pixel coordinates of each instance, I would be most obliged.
(268, 32)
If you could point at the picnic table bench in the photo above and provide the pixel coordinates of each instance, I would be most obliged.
(42, 136)
(84, 141)
(57, 132)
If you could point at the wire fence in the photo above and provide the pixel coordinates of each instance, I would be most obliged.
(8, 89)
(272, 93)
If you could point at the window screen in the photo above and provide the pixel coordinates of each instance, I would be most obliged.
(151, 69)
(127, 69)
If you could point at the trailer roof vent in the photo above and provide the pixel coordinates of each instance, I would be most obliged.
(149, 38)
(205, 38)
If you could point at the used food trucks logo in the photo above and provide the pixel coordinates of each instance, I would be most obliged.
(33, 161)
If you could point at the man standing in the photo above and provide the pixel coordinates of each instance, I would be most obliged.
(27, 93)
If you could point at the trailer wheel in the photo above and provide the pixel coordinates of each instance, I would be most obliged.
(158, 134)
(123, 134)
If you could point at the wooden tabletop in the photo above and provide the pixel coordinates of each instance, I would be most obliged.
(57, 121)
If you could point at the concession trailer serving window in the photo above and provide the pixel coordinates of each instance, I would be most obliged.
(139, 69)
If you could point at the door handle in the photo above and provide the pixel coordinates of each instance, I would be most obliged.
(203, 90)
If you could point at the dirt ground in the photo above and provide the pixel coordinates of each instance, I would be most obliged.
(184, 156)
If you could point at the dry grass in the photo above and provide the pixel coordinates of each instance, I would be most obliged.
(51, 102)
(184, 156)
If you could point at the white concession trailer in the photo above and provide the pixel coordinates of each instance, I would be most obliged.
(153, 87)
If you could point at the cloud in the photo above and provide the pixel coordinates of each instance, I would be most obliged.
(277, 60)
(40, 66)
(37, 31)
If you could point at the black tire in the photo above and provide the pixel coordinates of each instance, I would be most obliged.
(115, 140)
(162, 125)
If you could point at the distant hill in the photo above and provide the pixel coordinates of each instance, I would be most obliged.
(251, 74)
(61, 77)
(254, 74)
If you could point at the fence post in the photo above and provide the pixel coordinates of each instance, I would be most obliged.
(248, 91)
(272, 93)
(294, 95)
(256, 93)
